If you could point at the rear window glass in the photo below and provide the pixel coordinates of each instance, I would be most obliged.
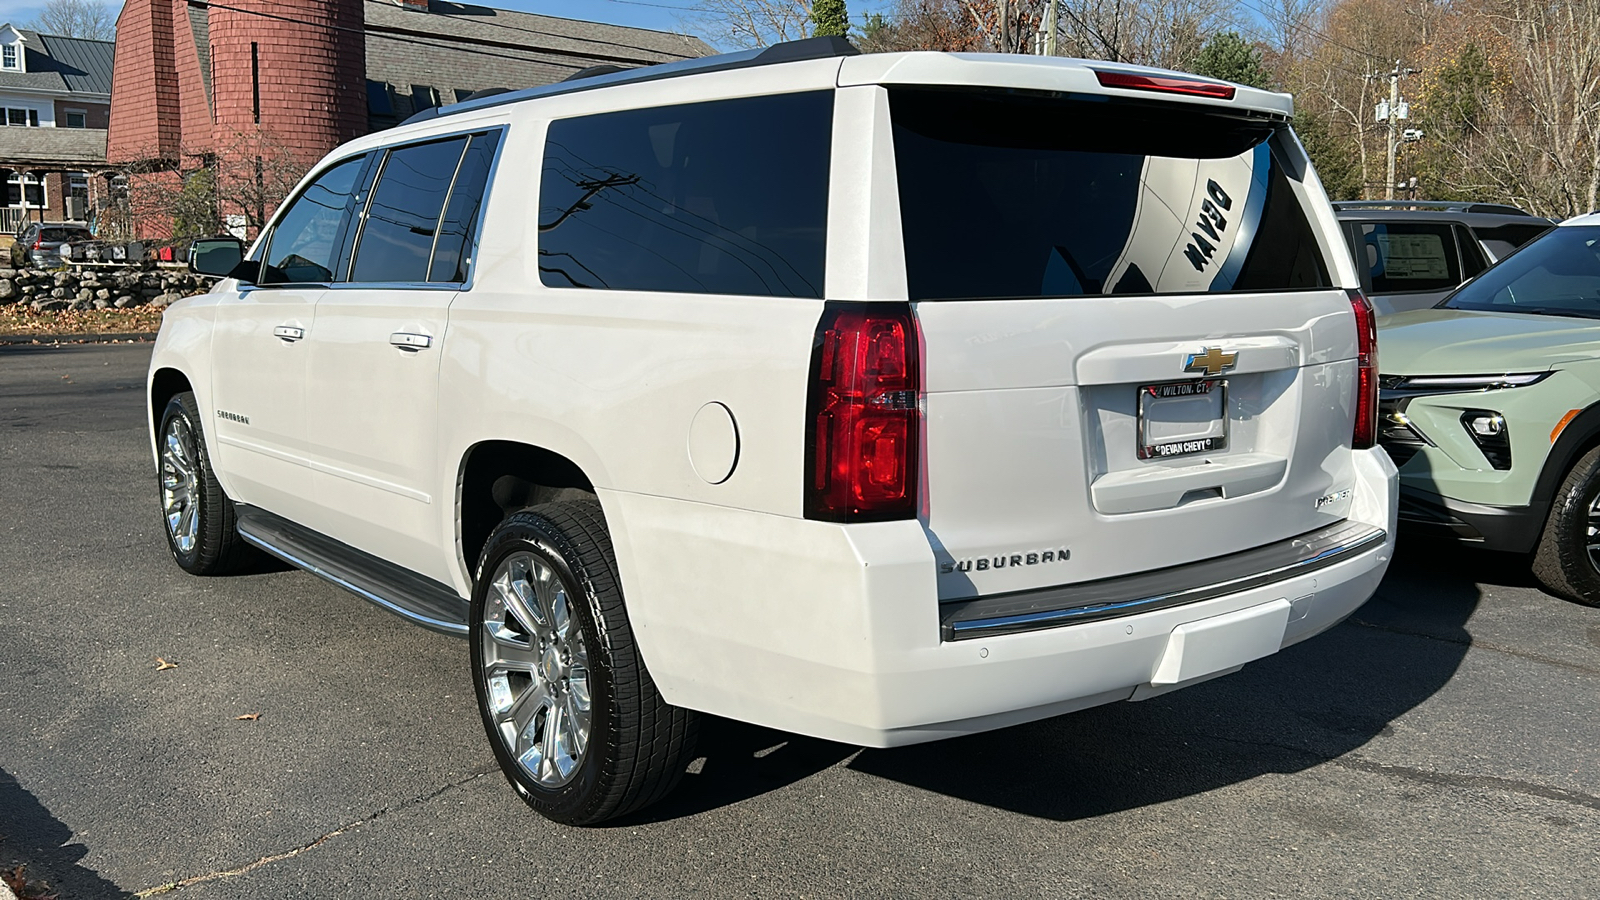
(726, 197)
(64, 234)
(1011, 194)
(1559, 274)
(1409, 256)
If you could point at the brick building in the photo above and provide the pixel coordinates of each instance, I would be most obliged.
(55, 95)
(219, 86)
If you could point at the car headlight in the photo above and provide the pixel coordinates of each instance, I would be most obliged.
(1397, 386)
(1488, 430)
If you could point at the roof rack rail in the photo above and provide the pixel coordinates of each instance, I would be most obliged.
(592, 78)
(1503, 209)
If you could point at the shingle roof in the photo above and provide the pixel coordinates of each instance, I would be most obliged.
(52, 147)
(462, 48)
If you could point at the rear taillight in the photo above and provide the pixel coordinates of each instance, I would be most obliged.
(1166, 84)
(864, 418)
(1366, 428)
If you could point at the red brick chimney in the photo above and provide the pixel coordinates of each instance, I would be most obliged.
(144, 85)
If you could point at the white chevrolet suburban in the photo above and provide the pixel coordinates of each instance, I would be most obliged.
(877, 398)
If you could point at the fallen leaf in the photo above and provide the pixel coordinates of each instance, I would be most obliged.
(247, 717)
(162, 665)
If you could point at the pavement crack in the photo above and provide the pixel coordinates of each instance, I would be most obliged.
(1480, 645)
(311, 845)
(1428, 776)
(1494, 782)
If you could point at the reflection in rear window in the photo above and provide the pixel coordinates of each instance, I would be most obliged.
(1010, 194)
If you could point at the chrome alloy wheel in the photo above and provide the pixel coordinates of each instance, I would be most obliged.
(180, 484)
(536, 667)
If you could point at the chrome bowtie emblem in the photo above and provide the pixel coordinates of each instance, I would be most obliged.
(1210, 361)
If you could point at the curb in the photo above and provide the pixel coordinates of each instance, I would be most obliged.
(134, 337)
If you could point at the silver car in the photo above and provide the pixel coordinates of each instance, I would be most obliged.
(1412, 253)
(38, 245)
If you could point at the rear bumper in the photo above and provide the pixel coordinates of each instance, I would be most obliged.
(834, 631)
(1514, 529)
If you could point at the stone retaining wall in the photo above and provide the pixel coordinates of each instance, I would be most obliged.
(99, 288)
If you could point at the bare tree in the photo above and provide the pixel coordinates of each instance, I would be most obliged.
(77, 19)
(248, 175)
(1291, 27)
(752, 23)
(1166, 33)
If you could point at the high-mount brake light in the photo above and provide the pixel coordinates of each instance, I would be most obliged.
(1366, 427)
(864, 418)
(1168, 84)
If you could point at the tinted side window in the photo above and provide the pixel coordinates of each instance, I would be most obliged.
(1410, 256)
(727, 197)
(402, 218)
(305, 241)
(451, 257)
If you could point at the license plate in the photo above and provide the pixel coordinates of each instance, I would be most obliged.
(1180, 418)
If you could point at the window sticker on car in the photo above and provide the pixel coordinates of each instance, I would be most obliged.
(1409, 256)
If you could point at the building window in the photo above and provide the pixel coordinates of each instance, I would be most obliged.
(77, 118)
(423, 97)
(21, 186)
(8, 56)
(24, 117)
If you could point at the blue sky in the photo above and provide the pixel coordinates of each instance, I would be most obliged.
(664, 15)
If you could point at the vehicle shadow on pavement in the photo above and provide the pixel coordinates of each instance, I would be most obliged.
(30, 836)
(1314, 702)
(738, 761)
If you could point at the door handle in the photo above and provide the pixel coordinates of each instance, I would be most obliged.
(405, 340)
(288, 333)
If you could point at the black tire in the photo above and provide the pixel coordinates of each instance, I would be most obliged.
(637, 745)
(1563, 563)
(214, 547)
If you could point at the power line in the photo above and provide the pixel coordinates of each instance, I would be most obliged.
(403, 36)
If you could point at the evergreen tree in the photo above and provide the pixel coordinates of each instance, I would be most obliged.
(1334, 161)
(829, 17)
(1232, 58)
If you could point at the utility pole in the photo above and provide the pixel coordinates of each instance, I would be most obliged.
(1393, 111)
(1005, 26)
(1050, 27)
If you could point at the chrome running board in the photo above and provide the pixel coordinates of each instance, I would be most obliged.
(423, 601)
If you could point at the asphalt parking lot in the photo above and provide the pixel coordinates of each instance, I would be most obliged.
(1444, 742)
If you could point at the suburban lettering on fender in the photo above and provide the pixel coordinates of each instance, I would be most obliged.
(233, 417)
(984, 563)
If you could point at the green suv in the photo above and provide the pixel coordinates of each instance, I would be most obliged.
(1490, 406)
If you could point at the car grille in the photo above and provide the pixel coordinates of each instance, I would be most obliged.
(1395, 433)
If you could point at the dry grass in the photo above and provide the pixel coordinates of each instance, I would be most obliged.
(19, 318)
